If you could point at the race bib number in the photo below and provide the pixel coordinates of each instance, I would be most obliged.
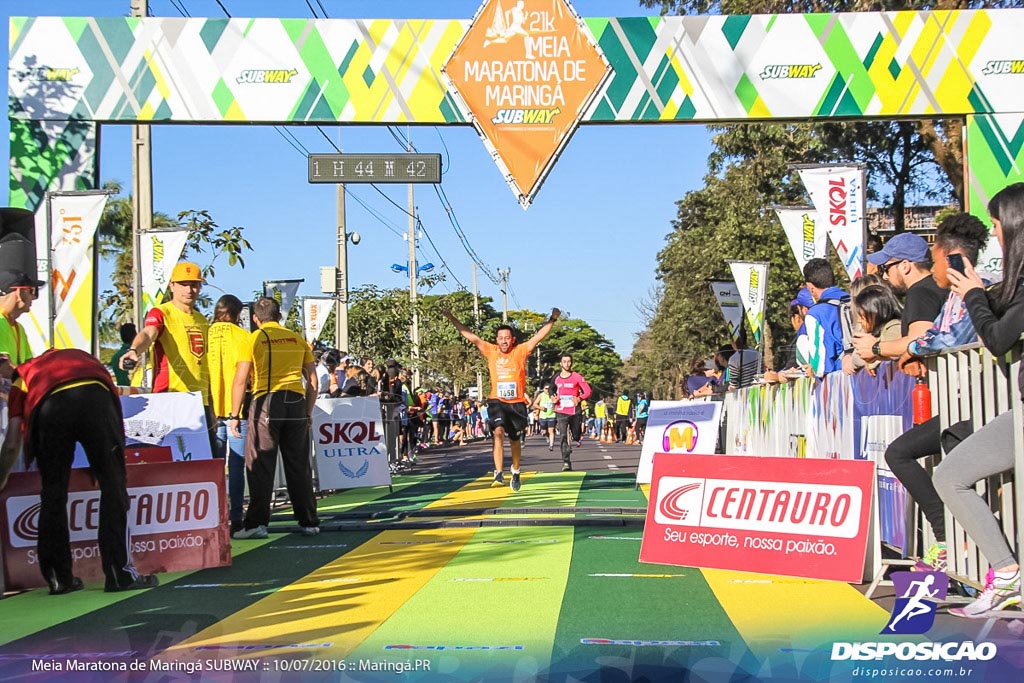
(567, 401)
(507, 390)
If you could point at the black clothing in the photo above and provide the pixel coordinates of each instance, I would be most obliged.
(512, 417)
(924, 302)
(569, 428)
(999, 333)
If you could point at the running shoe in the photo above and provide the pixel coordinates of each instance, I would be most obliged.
(141, 582)
(999, 594)
(309, 530)
(499, 479)
(579, 444)
(933, 561)
(567, 466)
(256, 532)
(515, 484)
(58, 587)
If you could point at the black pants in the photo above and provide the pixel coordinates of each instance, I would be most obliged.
(621, 428)
(567, 427)
(278, 420)
(919, 442)
(87, 415)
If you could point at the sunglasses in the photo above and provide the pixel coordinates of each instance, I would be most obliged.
(33, 290)
(883, 269)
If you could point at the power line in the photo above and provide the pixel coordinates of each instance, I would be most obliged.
(444, 264)
(311, 9)
(221, 5)
(322, 9)
(181, 8)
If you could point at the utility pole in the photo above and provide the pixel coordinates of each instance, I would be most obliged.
(341, 288)
(476, 322)
(142, 192)
(503, 273)
(412, 284)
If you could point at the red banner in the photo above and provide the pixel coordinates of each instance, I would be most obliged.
(789, 516)
(176, 521)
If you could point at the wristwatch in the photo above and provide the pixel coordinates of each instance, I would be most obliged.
(876, 348)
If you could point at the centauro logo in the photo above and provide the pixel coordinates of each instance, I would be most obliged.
(790, 71)
(526, 116)
(1000, 67)
(267, 76)
(58, 75)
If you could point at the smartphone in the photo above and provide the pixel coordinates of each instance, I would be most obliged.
(956, 262)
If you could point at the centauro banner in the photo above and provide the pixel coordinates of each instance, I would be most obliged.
(807, 239)
(837, 192)
(161, 249)
(729, 300)
(752, 282)
(527, 70)
(64, 247)
(314, 314)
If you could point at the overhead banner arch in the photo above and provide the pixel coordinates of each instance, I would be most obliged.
(70, 74)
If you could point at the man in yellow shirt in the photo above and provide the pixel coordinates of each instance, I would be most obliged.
(178, 334)
(279, 417)
(228, 344)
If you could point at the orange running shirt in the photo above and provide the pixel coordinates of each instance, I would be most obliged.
(508, 372)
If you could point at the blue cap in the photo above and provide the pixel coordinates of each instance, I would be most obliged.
(803, 298)
(906, 245)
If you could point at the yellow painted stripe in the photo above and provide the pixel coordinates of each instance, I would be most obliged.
(477, 494)
(342, 602)
(791, 612)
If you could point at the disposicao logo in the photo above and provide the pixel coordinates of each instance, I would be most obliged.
(918, 593)
(790, 71)
(680, 436)
(267, 76)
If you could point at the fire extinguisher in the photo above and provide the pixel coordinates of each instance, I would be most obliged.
(922, 401)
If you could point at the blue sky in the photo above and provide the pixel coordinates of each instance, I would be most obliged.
(588, 244)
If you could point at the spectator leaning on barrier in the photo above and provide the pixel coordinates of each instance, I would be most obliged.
(68, 398)
(824, 320)
(744, 363)
(998, 317)
(284, 388)
(962, 234)
(906, 263)
(877, 311)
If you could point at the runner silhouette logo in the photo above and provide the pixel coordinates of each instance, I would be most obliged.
(918, 593)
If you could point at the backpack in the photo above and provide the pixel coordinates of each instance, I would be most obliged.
(845, 321)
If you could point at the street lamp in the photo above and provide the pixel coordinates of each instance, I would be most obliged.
(336, 283)
(399, 268)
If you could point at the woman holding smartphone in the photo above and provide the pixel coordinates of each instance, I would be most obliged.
(998, 317)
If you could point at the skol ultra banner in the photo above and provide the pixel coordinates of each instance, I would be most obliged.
(752, 283)
(65, 249)
(788, 516)
(838, 193)
(678, 428)
(806, 237)
(282, 291)
(348, 443)
(729, 300)
(314, 314)
(527, 70)
(160, 249)
(174, 519)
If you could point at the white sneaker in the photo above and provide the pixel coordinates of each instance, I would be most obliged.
(310, 530)
(255, 532)
(999, 594)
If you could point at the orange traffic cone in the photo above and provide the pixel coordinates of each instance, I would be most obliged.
(631, 437)
(606, 436)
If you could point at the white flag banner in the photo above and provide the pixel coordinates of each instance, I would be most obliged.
(284, 292)
(348, 443)
(838, 194)
(160, 249)
(731, 303)
(752, 282)
(315, 311)
(68, 300)
(806, 237)
(678, 429)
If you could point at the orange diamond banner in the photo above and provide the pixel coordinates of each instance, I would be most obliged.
(526, 70)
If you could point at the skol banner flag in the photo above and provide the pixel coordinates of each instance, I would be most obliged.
(314, 314)
(348, 443)
(838, 194)
(66, 250)
(752, 282)
(282, 291)
(160, 249)
(806, 237)
(526, 72)
(731, 303)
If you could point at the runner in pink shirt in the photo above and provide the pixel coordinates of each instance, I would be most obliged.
(570, 389)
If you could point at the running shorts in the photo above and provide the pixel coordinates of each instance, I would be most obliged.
(512, 417)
